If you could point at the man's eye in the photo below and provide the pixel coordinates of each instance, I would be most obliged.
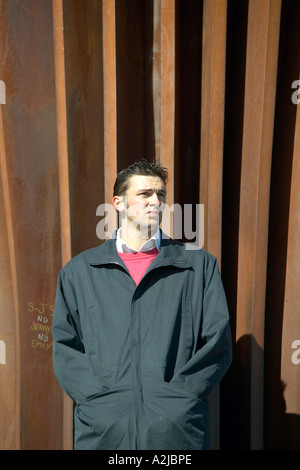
(148, 194)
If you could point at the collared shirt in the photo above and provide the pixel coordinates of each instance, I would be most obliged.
(153, 242)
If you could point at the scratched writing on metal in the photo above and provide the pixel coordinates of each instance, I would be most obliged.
(43, 312)
(38, 327)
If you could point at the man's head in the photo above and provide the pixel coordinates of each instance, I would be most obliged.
(139, 193)
(140, 167)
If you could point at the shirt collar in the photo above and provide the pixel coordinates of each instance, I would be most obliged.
(153, 242)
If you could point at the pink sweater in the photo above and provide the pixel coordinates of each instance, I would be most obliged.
(137, 263)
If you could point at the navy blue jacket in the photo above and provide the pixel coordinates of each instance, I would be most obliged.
(140, 361)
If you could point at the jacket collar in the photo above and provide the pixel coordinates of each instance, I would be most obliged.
(170, 253)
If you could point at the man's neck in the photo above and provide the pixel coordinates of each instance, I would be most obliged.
(136, 240)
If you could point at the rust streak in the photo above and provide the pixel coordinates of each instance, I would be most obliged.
(63, 171)
(110, 97)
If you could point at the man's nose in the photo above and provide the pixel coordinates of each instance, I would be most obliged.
(154, 200)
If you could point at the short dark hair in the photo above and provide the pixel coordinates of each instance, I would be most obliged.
(139, 167)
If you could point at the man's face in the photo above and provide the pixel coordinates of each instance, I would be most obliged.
(143, 203)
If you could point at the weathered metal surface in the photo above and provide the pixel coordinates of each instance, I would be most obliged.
(290, 361)
(212, 120)
(167, 112)
(83, 57)
(63, 182)
(260, 89)
(109, 97)
(30, 189)
(211, 150)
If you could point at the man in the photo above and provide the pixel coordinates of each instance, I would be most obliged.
(141, 329)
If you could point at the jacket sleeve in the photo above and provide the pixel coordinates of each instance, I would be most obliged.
(213, 356)
(70, 363)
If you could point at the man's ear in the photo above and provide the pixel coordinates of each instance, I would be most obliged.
(119, 203)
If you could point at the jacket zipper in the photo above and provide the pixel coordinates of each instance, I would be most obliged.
(137, 387)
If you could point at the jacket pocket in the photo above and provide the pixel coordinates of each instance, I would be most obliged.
(176, 419)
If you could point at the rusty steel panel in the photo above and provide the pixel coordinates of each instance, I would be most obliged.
(156, 77)
(63, 182)
(290, 361)
(167, 111)
(109, 97)
(211, 149)
(260, 88)
(133, 40)
(212, 120)
(30, 154)
(83, 58)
